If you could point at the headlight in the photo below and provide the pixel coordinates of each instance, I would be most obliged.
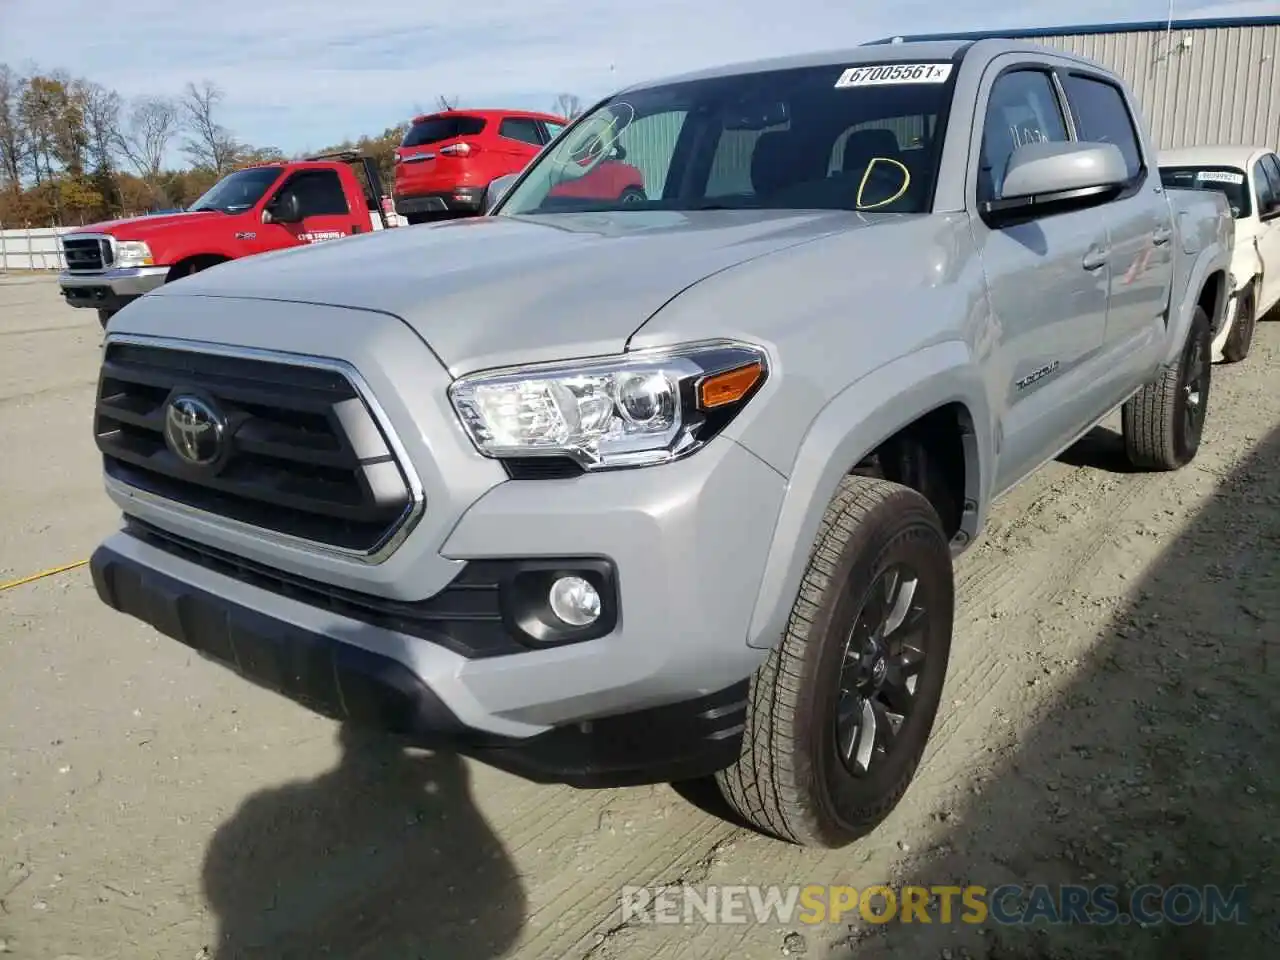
(631, 410)
(133, 253)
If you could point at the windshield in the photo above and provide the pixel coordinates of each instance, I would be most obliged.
(827, 137)
(238, 191)
(1226, 180)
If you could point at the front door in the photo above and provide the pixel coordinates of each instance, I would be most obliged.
(1139, 220)
(326, 215)
(1047, 284)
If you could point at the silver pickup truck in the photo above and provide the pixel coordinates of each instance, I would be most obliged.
(669, 490)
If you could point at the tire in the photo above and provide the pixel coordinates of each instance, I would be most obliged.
(632, 195)
(1240, 339)
(1163, 423)
(104, 317)
(790, 779)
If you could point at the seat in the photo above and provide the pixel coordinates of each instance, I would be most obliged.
(861, 148)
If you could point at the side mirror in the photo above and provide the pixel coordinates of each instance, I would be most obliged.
(619, 152)
(1041, 174)
(285, 208)
(493, 193)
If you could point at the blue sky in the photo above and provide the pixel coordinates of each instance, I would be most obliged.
(302, 74)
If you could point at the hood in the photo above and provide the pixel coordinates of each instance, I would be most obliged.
(140, 228)
(489, 291)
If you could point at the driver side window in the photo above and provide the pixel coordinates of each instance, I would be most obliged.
(1023, 108)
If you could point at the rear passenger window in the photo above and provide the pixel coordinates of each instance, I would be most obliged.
(518, 128)
(319, 193)
(1023, 108)
(1102, 117)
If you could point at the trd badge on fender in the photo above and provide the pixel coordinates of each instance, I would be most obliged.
(194, 430)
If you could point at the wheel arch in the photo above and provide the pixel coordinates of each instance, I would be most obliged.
(908, 397)
(200, 261)
(1206, 287)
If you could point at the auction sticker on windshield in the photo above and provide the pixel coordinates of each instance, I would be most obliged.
(891, 73)
(1220, 176)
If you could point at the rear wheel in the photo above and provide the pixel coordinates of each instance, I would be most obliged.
(632, 195)
(1240, 339)
(841, 711)
(1163, 423)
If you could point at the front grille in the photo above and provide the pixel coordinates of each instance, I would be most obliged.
(87, 255)
(303, 455)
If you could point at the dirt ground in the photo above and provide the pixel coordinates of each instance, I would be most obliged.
(1110, 717)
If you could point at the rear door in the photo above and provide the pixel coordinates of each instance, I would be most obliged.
(326, 213)
(519, 140)
(432, 147)
(1047, 280)
(1266, 194)
(1139, 219)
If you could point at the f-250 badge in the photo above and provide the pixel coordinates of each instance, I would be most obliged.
(246, 235)
(1035, 375)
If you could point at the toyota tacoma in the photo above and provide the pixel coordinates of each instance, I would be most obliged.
(606, 492)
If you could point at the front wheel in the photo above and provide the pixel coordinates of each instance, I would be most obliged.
(1164, 421)
(840, 712)
(632, 195)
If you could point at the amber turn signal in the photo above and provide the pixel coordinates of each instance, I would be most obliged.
(721, 389)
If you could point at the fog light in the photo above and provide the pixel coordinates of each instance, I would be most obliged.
(575, 601)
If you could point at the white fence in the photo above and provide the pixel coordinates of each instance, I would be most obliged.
(32, 248)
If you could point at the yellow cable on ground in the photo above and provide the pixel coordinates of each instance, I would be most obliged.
(42, 574)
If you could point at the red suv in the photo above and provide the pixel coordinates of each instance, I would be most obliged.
(446, 161)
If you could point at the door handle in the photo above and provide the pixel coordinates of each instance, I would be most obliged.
(1095, 259)
(1161, 235)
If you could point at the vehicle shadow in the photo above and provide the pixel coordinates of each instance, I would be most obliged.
(383, 856)
(1102, 449)
(1159, 763)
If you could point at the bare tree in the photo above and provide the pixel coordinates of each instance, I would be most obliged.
(210, 144)
(102, 122)
(13, 135)
(152, 123)
(567, 105)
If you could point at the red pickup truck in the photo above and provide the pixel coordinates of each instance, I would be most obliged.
(266, 207)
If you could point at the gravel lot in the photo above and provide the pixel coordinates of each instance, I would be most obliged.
(1111, 717)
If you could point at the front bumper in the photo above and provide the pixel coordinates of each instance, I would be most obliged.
(459, 200)
(357, 683)
(686, 543)
(110, 289)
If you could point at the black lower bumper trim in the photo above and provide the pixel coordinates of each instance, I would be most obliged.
(346, 682)
(463, 200)
(102, 298)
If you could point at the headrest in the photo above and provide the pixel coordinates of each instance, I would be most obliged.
(777, 162)
(862, 145)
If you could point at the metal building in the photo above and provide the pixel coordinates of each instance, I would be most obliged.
(1199, 81)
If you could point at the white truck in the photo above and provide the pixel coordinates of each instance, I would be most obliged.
(1249, 177)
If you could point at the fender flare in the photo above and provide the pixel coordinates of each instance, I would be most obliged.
(850, 426)
(1213, 258)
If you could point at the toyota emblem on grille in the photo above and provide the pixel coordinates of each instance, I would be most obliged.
(194, 430)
